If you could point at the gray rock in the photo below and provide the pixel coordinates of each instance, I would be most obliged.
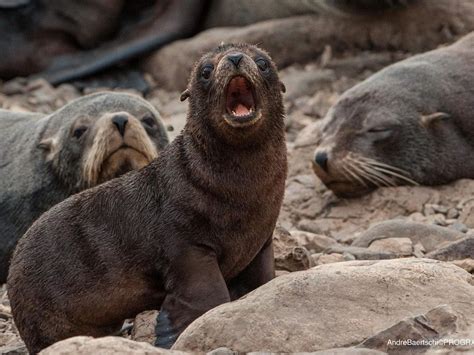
(144, 327)
(313, 242)
(330, 258)
(289, 255)
(430, 236)
(436, 323)
(361, 253)
(222, 351)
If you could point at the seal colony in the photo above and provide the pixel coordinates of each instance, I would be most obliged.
(188, 232)
(410, 123)
(47, 158)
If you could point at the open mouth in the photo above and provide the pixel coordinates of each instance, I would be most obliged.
(240, 102)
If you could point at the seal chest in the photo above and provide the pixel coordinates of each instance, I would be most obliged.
(190, 231)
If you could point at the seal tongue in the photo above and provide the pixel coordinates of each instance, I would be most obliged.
(241, 110)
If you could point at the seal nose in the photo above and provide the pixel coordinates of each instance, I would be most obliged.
(235, 58)
(120, 121)
(321, 159)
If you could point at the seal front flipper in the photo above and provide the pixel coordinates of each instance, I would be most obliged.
(258, 272)
(194, 286)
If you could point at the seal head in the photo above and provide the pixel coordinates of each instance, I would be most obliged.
(104, 136)
(240, 86)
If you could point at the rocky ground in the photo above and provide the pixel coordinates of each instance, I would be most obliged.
(359, 304)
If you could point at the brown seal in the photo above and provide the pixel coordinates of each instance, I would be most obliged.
(47, 158)
(188, 232)
(410, 123)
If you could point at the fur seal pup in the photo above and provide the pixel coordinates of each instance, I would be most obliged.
(410, 123)
(188, 232)
(46, 158)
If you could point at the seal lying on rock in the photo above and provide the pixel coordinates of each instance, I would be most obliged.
(410, 123)
(188, 232)
(46, 158)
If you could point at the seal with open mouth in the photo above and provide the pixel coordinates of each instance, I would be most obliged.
(46, 158)
(411, 123)
(188, 232)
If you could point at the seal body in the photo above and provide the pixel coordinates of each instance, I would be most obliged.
(410, 123)
(46, 158)
(184, 234)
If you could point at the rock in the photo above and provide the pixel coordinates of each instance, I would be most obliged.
(288, 254)
(467, 216)
(460, 249)
(419, 250)
(436, 323)
(466, 264)
(14, 349)
(330, 258)
(144, 327)
(313, 242)
(452, 213)
(82, 345)
(348, 351)
(222, 351)
(429, 236)
(360, 253)
(397, 246)
(332, 306)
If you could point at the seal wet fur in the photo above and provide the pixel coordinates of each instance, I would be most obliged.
(188, 232)
(46, 158)
(411, 123)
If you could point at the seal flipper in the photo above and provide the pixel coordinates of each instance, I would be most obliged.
(258, 272)
(165, 335)
(196, 286)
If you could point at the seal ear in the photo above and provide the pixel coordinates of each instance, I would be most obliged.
(427, 120)
(50, 147)
(184, 95)
(282, 87)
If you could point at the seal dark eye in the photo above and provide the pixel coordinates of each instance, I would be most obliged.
(78, 132)
(262, 64)
(149, 121)
(207, 71)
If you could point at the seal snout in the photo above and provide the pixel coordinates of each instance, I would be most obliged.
(321, 158)
(120, 121)
(235, 58)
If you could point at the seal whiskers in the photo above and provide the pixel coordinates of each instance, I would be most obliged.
(389, 170)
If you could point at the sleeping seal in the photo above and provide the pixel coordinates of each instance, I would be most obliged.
(410, 123)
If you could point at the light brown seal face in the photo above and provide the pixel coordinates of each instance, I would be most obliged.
(104, 136)
(118, 143)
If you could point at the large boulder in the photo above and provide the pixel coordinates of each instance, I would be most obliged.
(333, 306)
